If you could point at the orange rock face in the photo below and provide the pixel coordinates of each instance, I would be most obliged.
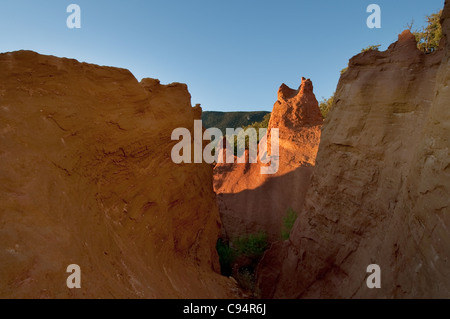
(380, 189)
(86, 178)
(250, 202)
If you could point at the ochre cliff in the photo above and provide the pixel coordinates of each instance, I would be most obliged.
(86, 178)
(380, 189)
(249, 201)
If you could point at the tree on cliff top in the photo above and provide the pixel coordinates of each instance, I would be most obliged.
(429, 37)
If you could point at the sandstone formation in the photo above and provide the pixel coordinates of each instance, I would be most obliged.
(86, 178)
(250, 202)
(380, 189)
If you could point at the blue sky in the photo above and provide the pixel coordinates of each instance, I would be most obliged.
(233, 55)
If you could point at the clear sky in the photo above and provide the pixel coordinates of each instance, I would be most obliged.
(233, 54)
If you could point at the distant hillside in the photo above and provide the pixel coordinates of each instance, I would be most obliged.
(222, 120)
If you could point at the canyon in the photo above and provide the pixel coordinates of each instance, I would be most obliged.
(86, 178)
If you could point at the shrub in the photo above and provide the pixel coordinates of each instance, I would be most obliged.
(325, 105)
(252, 246)
(288, 223)
(241, 257)
(371, 48)
(226, 257)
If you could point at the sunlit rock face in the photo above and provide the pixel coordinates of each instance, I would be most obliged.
(251, 202)
(86, 178)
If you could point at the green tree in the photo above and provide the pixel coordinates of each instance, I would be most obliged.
(325, 105)
(256, 125)
(428, 37)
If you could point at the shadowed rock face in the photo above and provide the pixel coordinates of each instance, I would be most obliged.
(250, 202)
(86, 178)
(380, 189)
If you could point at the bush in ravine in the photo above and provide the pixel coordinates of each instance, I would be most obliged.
(251, 246)
(226, 257)
(288, 223)
(240, 257)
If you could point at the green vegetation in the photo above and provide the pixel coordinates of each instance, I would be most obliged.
(428, 37)
(234, 120)
(226, 257)
(264, 123)
(325, 105)
(371, 48)
(223, 120)
(288, 223)
(241, 257)
(252, 246)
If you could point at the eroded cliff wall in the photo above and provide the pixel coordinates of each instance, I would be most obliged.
(380, 189)
(86, 178)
